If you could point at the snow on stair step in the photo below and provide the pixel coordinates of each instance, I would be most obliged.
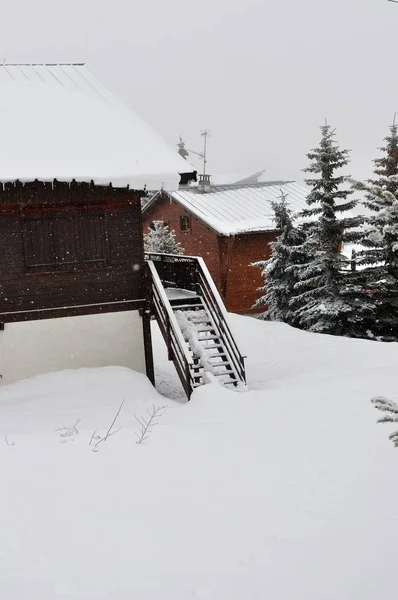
(186, 306)
(205, 343)
(220, 364)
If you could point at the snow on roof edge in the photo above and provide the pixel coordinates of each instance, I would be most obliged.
(64, 123)
(169, 182)
(237, 209)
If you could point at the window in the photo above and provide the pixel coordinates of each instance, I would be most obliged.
(185, 223)
(64, 242)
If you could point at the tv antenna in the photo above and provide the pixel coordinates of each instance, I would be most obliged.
(205, 133)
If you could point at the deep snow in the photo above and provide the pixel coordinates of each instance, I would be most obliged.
(288, 491)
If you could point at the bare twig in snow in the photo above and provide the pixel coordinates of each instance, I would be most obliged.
(7, 442)
(109, 433)
(114, 420)
(93, 437)
(68, 432)
(147, 423)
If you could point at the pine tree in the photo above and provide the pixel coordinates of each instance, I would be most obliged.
(391, 409)
(279, 281)
(160, 239)
(328, 299)
(380, 238)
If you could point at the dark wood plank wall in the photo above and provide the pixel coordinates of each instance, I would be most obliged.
(121, 279)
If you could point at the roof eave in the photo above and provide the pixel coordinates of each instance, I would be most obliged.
(156, 197)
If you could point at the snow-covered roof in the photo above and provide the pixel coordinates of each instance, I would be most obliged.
(238, 178)
(59, 121)
(234, 209)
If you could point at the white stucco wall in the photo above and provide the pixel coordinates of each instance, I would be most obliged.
(36, 347)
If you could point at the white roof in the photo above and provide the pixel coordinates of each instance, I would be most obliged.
(238, 178)
(58, 121)
(234, 209)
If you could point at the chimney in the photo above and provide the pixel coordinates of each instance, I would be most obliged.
(204, 183)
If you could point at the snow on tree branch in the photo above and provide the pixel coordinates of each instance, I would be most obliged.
(160, 239)
(391, 409)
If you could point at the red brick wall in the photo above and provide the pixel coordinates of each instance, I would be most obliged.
(227, 258)
(199, 241)
(243, 280)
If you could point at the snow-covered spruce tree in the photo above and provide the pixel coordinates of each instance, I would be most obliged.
(328, 298)
(379, 258)
(391, 409)
(279, 282)
(160, 239)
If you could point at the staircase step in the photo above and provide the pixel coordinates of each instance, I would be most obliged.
(186, 298)
(220, 364)
(187, 306)
(225, 374)
(213, 346)
(214, 336)
(207, 321)
(229, 382)
(198, 369)
(196, 385)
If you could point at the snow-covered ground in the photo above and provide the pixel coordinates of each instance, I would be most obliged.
(288, 491)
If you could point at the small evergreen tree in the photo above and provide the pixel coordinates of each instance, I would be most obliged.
(379, 258)
(160, 239)
(279, 281)
(391, 409)
(327, 298)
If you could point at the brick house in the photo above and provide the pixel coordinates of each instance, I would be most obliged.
(229, 226)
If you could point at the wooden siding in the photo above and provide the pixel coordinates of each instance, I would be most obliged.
(119, 278)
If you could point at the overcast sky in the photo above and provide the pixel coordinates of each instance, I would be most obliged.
(261, 74)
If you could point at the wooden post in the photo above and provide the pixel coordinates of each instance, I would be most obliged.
(188, 390)
(168, 339)
(146, 326)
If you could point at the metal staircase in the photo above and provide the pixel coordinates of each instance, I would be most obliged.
(193, 321)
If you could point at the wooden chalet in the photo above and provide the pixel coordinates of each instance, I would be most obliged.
(230, 226)
(75, 288)
(73, 163)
